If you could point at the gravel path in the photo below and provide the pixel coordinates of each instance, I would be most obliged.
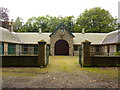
(57, 78)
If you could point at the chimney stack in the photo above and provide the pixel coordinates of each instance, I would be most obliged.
(11, 26)
(40, 31)
(83, 30)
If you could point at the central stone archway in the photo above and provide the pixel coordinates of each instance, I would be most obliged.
(61, 47)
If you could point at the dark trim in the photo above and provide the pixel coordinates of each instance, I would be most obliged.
(43, 43)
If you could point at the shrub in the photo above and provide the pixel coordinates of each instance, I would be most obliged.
(117, 53)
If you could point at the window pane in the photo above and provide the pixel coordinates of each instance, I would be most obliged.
(11, 49)
(118, 48)
(75, 47)
(25, 49)
(1, 48)
(35, 49)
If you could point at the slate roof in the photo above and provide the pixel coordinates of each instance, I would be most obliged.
(94, 38)
(112, 37)
(33, 38)
(6, 36)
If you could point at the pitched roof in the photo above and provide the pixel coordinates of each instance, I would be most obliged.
(7, 36)
(33, 38)
(112, 37)
(94, 38)
(60, 26)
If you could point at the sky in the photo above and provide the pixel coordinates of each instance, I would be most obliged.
(34, 8)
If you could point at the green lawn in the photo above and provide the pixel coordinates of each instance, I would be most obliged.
(59, 64)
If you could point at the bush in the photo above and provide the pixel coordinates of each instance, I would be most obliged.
(117, 53)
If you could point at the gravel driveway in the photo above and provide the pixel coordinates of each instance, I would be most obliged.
(62, 72)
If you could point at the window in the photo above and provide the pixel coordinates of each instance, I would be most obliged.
(75, 47)
(35, 49)
(97, 48)
(118, 48)
(1, 48)
(11, 49)
(25, 49)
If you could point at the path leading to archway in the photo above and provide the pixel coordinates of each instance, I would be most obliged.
(62, 72)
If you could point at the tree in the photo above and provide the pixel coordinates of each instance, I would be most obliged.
(46, 23)
(4, 14)
(96, 20)
(55, 21)
(17, 25)
(69, 22)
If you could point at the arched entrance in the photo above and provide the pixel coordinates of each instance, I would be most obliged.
(61, 47)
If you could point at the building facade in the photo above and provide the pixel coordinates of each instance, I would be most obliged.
(60, 42)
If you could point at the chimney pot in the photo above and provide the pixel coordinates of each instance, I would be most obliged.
(40, 31)
(83, 31)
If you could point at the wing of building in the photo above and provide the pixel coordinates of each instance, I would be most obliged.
(61, 37)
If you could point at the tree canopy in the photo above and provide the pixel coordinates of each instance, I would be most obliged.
(95, 20)
(4, 14)
(46, 23)
(17, 25)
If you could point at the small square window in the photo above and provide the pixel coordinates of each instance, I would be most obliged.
(118, 48)
(98, 48)
(75, 47)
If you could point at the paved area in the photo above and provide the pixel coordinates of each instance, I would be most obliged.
(62, 72)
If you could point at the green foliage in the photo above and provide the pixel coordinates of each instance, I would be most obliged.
(117, 53)
(96, 20)
(46, 23)
(4, 13)
(42, 40)
(17, 25)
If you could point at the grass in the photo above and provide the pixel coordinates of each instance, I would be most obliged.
(59, 64)
(109, 71)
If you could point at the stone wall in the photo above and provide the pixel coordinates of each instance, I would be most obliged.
(17, 49)
(55, 37)
(105, 61)
(85, 54)
(112, 50)
(76, 53)
(19, 61)
(31, 49)
(5, 48)
(106, 50)
(87, 60)
(27, 60)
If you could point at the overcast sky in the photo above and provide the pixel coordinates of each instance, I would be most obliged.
(29, 8)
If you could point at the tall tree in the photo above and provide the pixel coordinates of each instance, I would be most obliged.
(17, 24)
(96, 20)
(46, 23)
(69, 22)
(4, 14)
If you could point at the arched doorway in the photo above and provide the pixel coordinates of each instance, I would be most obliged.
(61, 47)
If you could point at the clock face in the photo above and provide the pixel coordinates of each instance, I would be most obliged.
(62, 32)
